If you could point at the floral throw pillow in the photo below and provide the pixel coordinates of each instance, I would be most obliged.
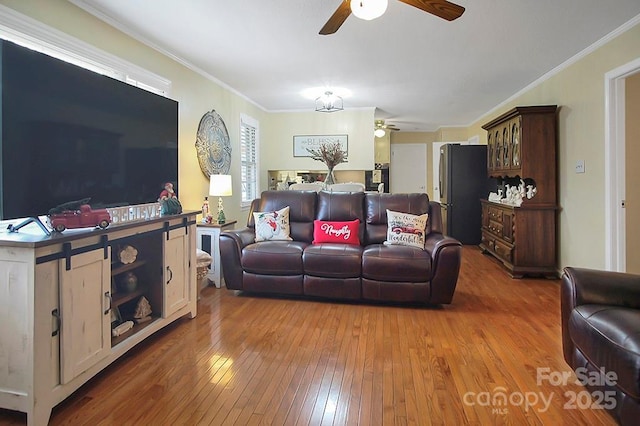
(406, 229)
(272, 226)
(336, 232)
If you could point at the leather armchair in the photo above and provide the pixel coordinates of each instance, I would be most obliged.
(601, 333)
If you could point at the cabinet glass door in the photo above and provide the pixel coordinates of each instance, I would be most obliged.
(515, 144)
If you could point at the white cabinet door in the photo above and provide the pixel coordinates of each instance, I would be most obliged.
(176, 272)
(85, 295)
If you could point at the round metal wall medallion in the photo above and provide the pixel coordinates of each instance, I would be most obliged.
(212, 145)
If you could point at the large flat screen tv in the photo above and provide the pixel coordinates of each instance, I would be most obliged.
(69, 133)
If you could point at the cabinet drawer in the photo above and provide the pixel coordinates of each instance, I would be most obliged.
(503, 251)
(494, 214)
(496, 228)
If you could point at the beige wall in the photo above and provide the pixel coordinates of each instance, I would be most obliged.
(277, 133)
(632, 171)
(579, 91)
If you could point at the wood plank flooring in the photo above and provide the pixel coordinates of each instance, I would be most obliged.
(268, 361)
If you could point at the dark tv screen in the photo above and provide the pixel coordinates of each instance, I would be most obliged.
(69, 133)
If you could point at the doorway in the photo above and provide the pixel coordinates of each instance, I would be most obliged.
(620, 203)
(408, 168)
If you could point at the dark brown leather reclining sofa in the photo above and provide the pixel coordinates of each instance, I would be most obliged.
(369, 271)
(601, 337)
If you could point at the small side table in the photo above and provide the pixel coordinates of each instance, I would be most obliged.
(208, 239)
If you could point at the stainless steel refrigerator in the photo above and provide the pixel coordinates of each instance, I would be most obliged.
(463, 182)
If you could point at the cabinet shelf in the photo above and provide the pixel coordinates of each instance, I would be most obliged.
(135, 329)
(117, 270)
(120, 298)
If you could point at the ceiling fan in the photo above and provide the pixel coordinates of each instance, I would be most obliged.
(380, 127)
(370, 9)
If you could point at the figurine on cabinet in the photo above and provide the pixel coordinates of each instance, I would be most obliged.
(167, 192)
(168, 200)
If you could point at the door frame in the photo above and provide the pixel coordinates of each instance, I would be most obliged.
(614, 145)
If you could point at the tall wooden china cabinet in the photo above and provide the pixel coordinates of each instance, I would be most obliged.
(522, 151)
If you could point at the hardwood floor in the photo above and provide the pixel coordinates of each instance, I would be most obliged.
(253, 360)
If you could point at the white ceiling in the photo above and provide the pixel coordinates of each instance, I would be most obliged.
(420, 71)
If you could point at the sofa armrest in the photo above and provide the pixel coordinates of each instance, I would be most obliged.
(231, 245)
(582, 286)
(446, 255)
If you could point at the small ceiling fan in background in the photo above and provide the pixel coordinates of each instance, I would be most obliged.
(380, 127)
(371, 9)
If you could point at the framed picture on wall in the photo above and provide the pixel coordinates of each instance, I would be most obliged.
(302, 143)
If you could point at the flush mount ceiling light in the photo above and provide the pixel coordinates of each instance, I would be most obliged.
(368, 9)
(329, 102)
(327, 99)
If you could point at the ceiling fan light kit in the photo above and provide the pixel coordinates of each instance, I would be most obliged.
(378, 133)
(368, 9)
(371, 9)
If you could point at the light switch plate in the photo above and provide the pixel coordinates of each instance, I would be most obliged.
(580, 166)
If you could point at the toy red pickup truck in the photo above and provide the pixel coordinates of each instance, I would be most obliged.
(83, 217)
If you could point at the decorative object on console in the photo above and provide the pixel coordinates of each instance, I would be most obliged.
(220, 186)
(167, 192)
(77, 214)
(213, 146)
(406, 229)
(143, 311)
(272, 226)
(168, 200)
(128, 282)
(336, 232)
(127, 254)
(122, 328)
(331, 154)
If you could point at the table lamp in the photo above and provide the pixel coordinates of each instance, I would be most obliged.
(220, 186)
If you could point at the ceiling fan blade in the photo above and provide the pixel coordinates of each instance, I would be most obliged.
(337, 19)
(442, 8)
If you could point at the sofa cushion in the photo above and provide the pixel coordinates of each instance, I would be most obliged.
(609, 336)
(336, 232)
(375, 209)
(333, 260)
(302, 210)
(342, 206)
(406, 229)
(396, 263)
(274, 257)
(272, 226)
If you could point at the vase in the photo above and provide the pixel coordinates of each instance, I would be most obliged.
(330, 179)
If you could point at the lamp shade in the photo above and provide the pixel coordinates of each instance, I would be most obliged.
(378, 133)
(220, 185)
(368, 9)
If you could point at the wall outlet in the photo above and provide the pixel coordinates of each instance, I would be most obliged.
(580, 166)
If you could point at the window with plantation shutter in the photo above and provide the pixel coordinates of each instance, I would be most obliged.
(249, 158)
